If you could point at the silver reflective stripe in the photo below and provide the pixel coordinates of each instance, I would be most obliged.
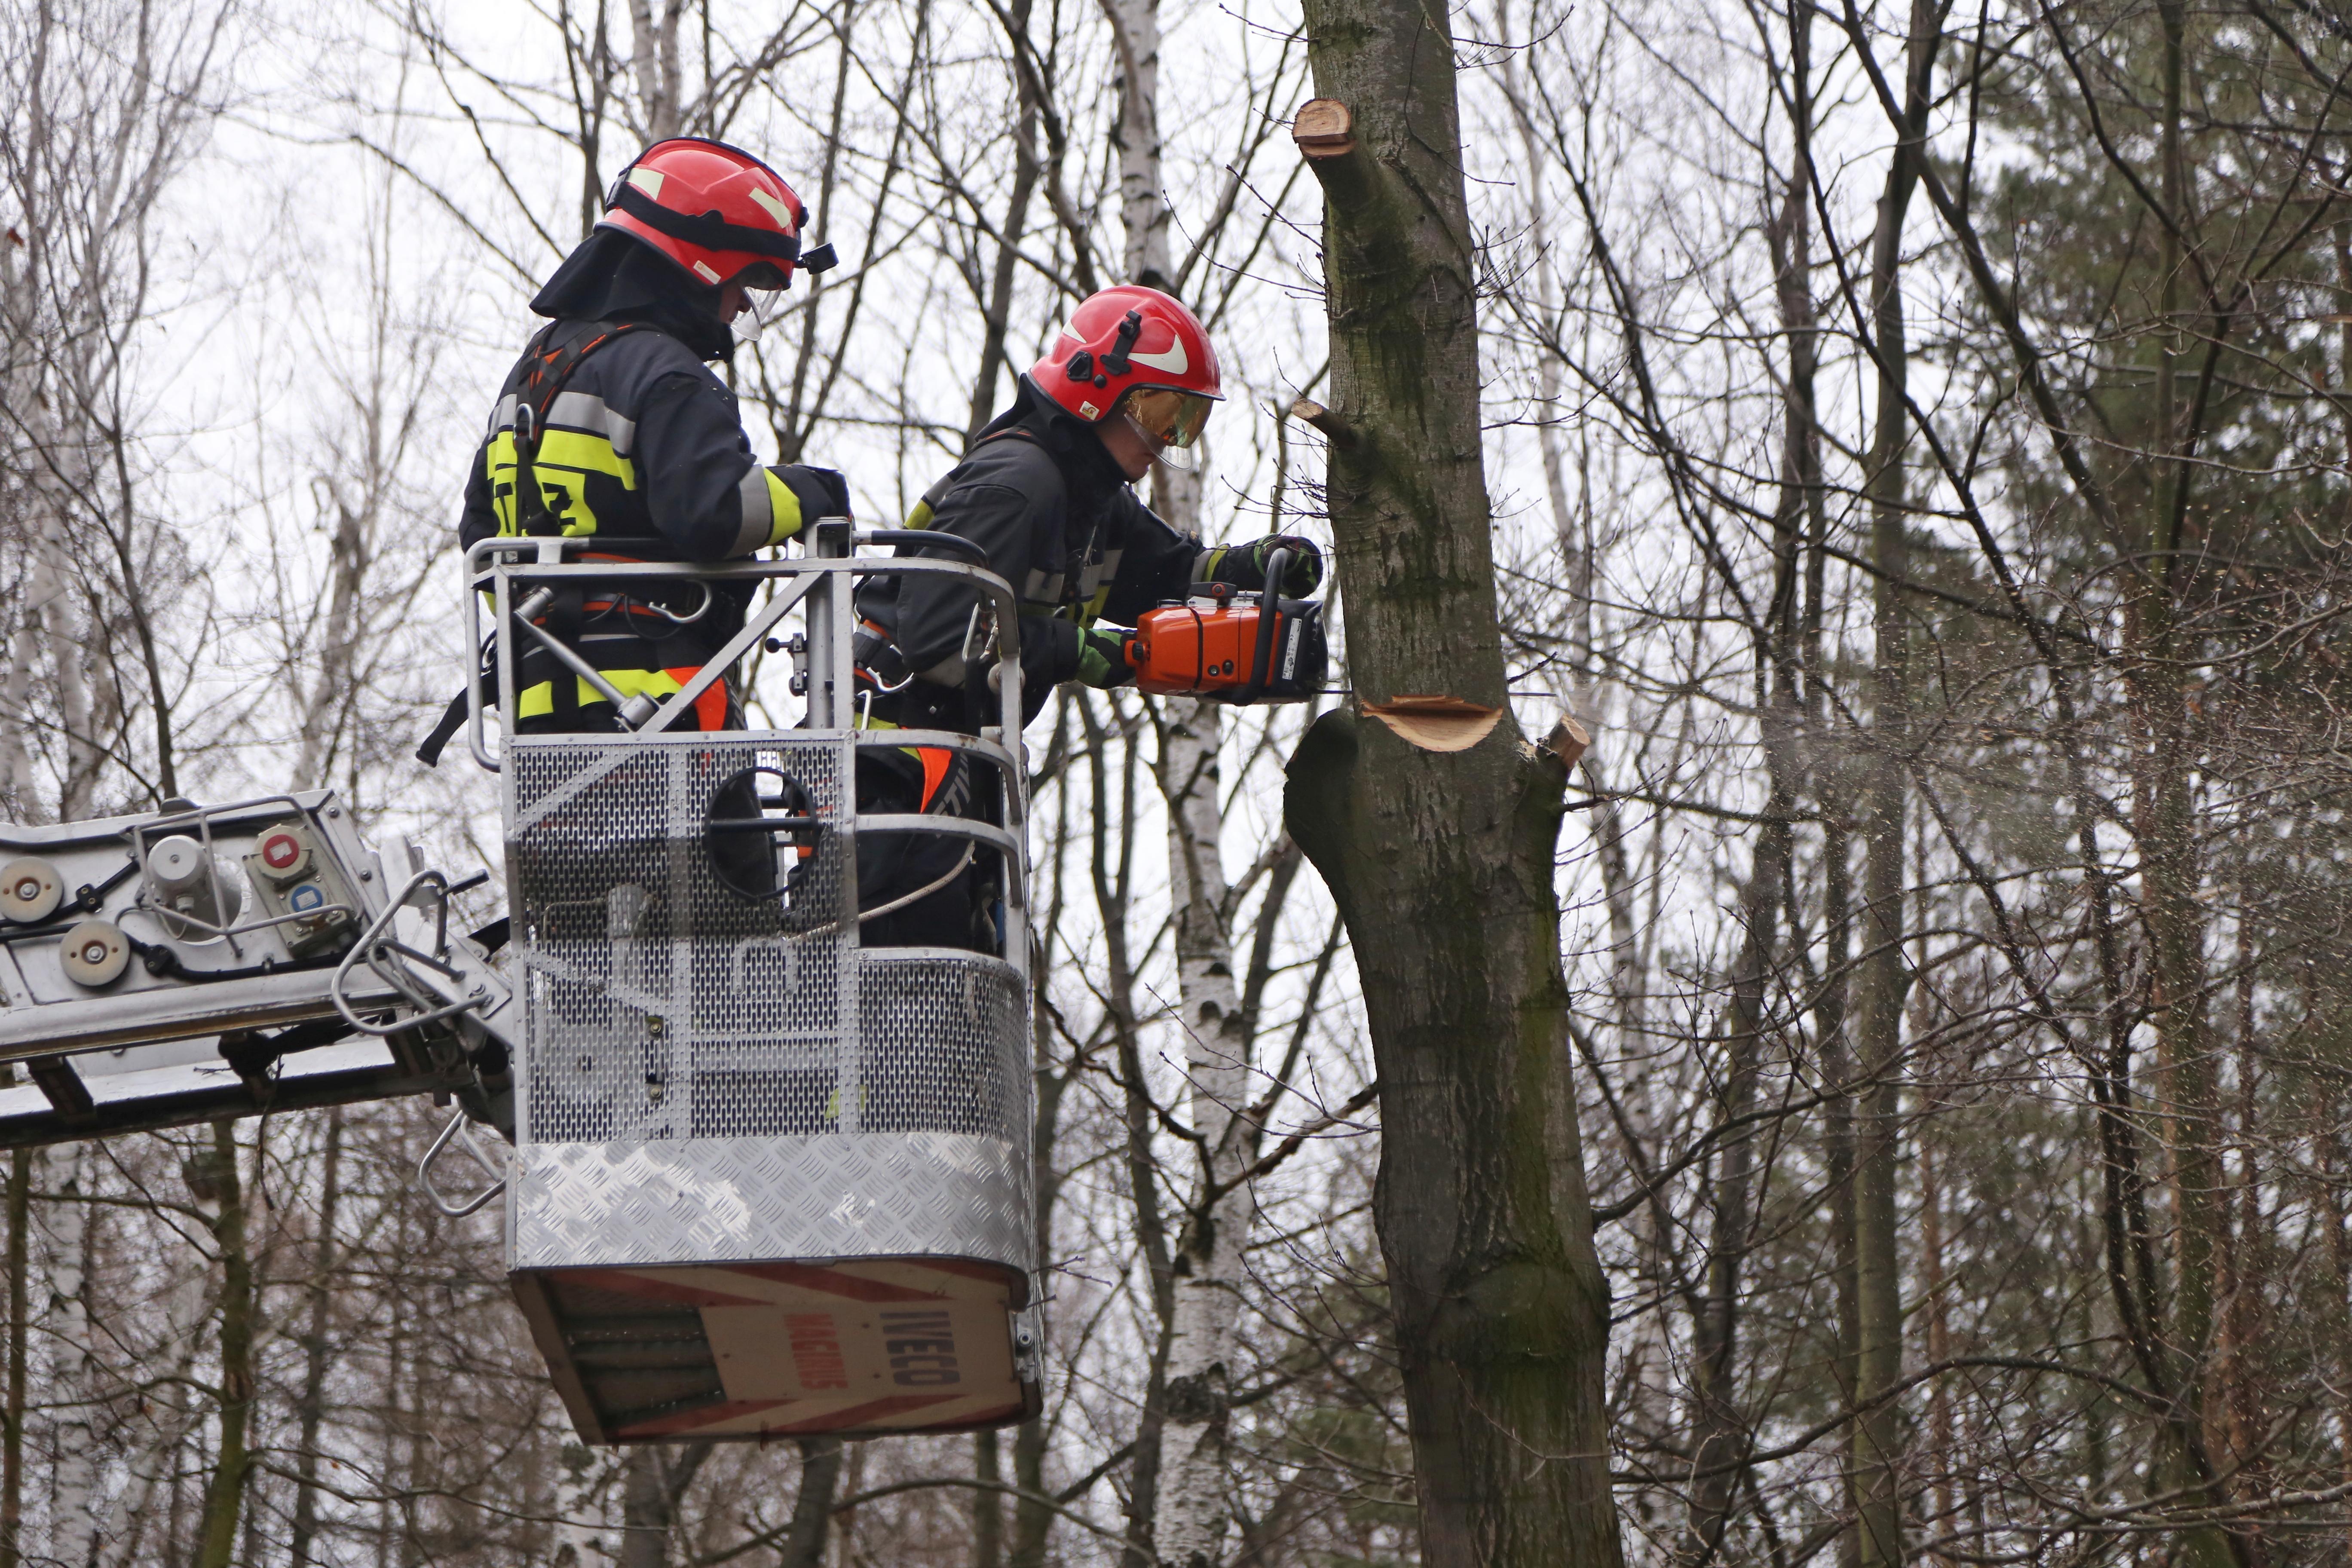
(1097, 573)
(1043, 587)
(502, 416)
(586, 411)
(758, 512)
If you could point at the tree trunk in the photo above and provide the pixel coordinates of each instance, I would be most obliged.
(311, 1404)
(2164, 823)
(987, 1503)
(653, 1479)
(331, 695)
(73, 1370)
(11, 1419)
(1882, 979)
(1441, 863)
(233, 1467)
(1194, 1513)
(1191, 1514)
(997, 318)
(1113, 879)
(580, 1514)
(804, 1539)
(1142, 202)
(656, 64)
(1032, 1522)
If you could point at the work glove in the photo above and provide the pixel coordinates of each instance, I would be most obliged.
(822, 492)
(1243, 566)
(1103, 655)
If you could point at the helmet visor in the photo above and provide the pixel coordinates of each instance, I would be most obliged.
(1170, 419)
(762, 307)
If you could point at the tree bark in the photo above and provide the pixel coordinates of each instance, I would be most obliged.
(233, 1465)
(11, 1419)
(1113, 874)
(998, 319)
(1194, 1513)
(987, 1502)
(72, 1371)
(1191, 1514)
(811, 1518)
(582, 1473)
(1882, 978)
(1032, 1522)
(2164, 823)
(1142, 202)
(1441, 863)
(653, 1479)
(311, 1404)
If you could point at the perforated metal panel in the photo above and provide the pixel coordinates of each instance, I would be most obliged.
(662, 1003)
(717, 1079)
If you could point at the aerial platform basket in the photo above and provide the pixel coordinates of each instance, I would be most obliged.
(766, 1180)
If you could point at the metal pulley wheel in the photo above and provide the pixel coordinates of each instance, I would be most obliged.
(189, 882)
(31, 890)
(95, 953)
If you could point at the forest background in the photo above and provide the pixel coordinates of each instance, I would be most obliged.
(1918, 443)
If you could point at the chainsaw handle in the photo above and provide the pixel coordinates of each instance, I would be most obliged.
(1269, 599)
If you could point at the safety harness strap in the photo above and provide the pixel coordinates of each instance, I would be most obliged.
(553, 355)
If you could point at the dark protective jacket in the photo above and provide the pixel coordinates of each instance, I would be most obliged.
(1061, 523)
(641, 445)
(644, 444)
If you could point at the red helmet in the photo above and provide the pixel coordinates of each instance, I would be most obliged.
(1136, 351)
(716, 210)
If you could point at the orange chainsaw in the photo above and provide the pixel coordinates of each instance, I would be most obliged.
(1235, 647)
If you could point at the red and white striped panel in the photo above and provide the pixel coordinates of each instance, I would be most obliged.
(858, 1346)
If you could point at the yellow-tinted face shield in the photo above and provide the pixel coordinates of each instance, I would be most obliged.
(1171, 420)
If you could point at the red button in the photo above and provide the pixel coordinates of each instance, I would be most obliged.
(280, 850)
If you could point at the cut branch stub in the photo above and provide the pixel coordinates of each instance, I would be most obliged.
(1568, 741)
(1335, 429)
(1323, 128)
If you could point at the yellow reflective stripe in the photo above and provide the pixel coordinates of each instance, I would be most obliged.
(865, 720)
(567, 483)
(587, 454)
(920, 518)
(498, 467)
(535, 701)
(783, 506)
(1092, 610)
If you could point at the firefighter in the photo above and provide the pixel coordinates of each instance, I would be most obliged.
(1046, 491)
(613, 426)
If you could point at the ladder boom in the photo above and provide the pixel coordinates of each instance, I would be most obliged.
(181, 965)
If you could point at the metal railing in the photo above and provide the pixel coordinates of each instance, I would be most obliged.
(520, 576)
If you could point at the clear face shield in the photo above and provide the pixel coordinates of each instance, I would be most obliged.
(762, 289)
(1169, 422)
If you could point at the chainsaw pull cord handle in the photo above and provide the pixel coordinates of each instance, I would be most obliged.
(1269, 600)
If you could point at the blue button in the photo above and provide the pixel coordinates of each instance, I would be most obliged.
(308, 895)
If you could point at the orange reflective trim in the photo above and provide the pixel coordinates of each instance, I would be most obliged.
(710, 707)
(936, 761)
